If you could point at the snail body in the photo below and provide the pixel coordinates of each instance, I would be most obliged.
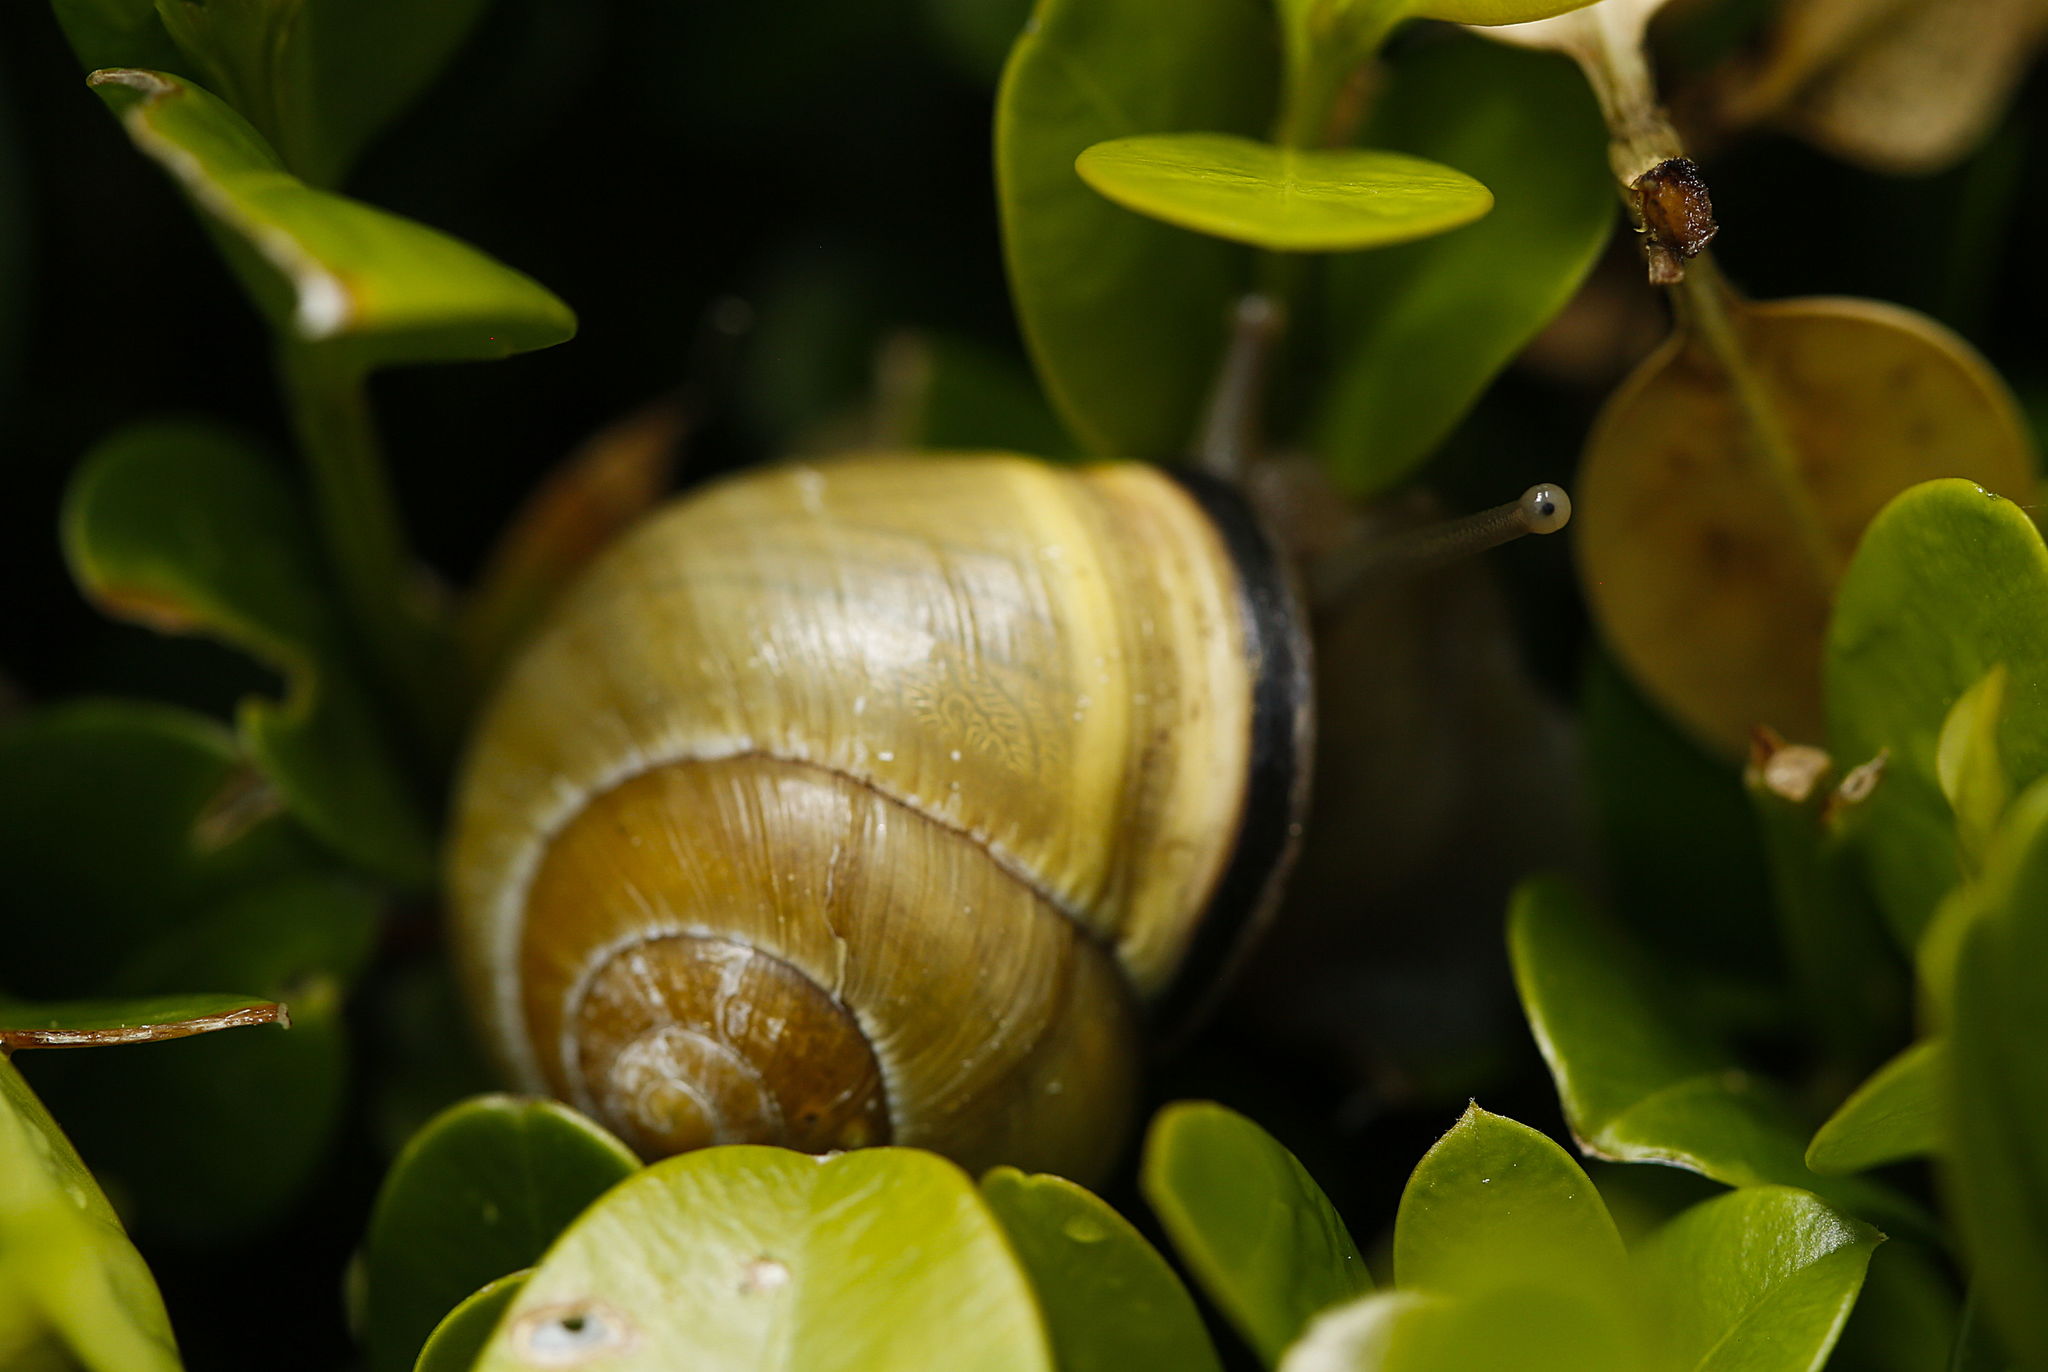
(896, 799)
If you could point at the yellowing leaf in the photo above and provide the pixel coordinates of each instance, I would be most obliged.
(1907, 86)
(1711, 577)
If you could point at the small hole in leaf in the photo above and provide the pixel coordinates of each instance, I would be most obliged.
(571, 1334)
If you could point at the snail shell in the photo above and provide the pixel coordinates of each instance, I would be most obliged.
(884, 801)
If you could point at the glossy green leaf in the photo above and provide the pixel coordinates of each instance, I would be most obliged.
(1495, 1204)
(1125, 317)
(1110, 1301)
(1249, 1223)
(1996, 1084)
(1967, 765)
(179, 526)
(318, 78)
(118, 820)
(240, 1123)
(1283, 199)
(326, 270)
(75, 1290)
(459, 1339)
(1896, 1114)
(1758, 1280)
(1948, 582)
(140, 1019)
(761, 1258)
(1637, 1084)
(1419, 332)
(480, 1192)
(1529, 1329)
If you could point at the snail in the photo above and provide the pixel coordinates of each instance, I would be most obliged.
(891, 799)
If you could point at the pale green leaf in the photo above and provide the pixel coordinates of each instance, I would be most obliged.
(766, 1259)
(73, 1284)
(1279, 198)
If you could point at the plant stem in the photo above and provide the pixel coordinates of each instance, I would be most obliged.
(1232, 432)
(1707, 310)
(384, 596)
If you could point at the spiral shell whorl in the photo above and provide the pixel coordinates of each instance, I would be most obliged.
(961, 744)
(684, 1041)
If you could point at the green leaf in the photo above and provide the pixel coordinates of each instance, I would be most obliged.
(1249, 1222)
(1419, 332)
(1496, 1204)
(318, 78)
(1758, 1280)
(1896, 1114)
(1283, 199)
(1126, 318)
(459, 1339)
(1966, 763)
(480, 1192)
(1948, 582)
(1488, 11)
(1996, 1083)
(1636, 1084)
(1529, 1329)
(118, 820)
(761, 1258)
(70, 1282)
(328, 271)
(1110, 1301)
(141, 1019)
(237, 1124)
(179, 526)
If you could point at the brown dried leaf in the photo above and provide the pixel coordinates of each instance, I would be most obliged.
(1697, 569)
(614, 478)
(1904, 86)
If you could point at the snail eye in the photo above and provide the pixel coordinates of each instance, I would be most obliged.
(1546, 509)
(571, 1334)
